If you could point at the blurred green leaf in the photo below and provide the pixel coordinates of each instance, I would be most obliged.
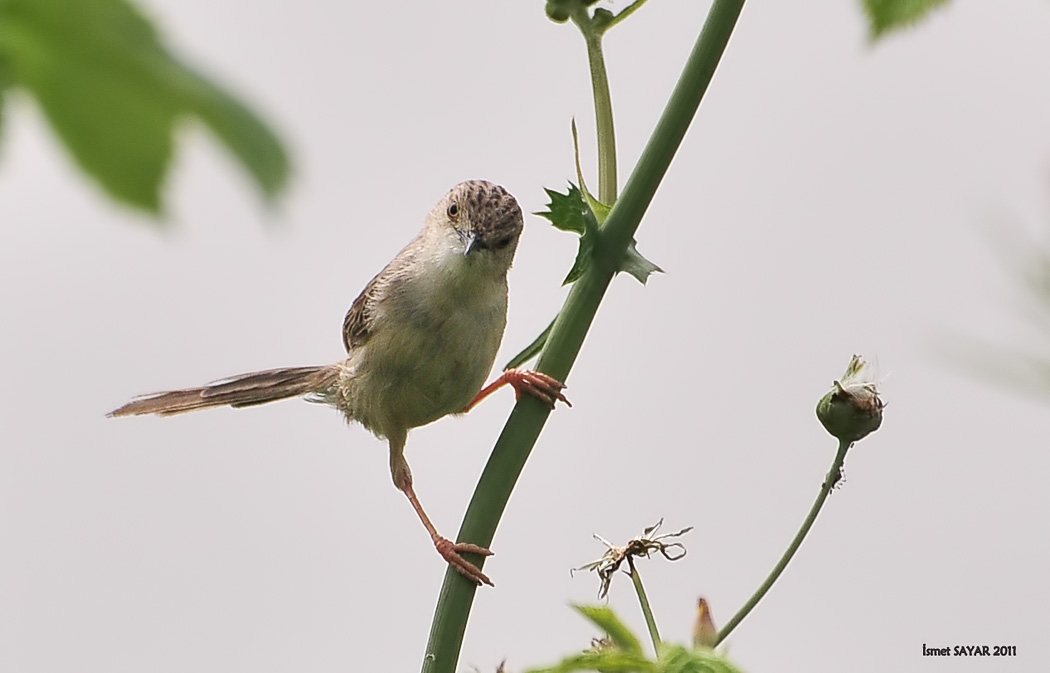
(606, 620)
(570, 212)
(114, 94)
(678, 659)
(888, 15)
(606, 661)
(1023, 367)
(5, 82)
(622, 652)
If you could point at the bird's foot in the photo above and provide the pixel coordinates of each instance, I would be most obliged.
(451, 553)
(545, 388)
(537, 384)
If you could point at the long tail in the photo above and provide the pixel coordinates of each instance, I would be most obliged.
(244, 390)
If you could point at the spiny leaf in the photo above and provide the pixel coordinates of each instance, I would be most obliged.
(569, 212)
(114, 95)
(636, 265)
(606, 620)
(888, 15)
(583, 260)
(633, 262)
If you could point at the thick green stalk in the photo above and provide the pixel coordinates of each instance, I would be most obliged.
(825, 489)
(526, 420)
(647, 610)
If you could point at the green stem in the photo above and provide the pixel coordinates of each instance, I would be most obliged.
(647, 611)
(603, 117)
(526, 420)
(829, 483)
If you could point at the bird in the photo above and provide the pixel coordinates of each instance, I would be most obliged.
(421, 339)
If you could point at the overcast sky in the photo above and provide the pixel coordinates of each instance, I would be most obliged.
(831, 198)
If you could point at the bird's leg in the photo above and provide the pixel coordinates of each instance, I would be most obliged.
(541, 386)
(450, 551)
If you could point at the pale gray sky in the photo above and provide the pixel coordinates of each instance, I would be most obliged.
(831, 198)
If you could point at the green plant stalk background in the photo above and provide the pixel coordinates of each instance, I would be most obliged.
(528, 416)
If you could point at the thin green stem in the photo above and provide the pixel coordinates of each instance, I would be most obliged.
(625, 13)
(643, 600)
(829, 482)
(529, 415)
(603, 117)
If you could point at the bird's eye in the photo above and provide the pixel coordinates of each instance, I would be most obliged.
(503, 242)
(453, 209)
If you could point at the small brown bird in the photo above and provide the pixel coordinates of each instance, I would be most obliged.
(420, 338)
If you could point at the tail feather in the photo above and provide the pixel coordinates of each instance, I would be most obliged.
(244, 390)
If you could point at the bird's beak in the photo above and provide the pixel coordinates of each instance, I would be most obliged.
(469, 242)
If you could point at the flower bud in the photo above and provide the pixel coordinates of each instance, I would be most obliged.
(557, 11)
(704, 632)
(852, 409)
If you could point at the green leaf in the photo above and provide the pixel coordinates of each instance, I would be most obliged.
(244, 134)
(532, 350)
(674, 658)
(633, 262)
(601, 210)
(570, 212)
(888, 15)
(677, 659)
(606, 620)
(583, 260)
(636, 265)
(606, 661)
(114, 95)
(625, 654)
(5, 83)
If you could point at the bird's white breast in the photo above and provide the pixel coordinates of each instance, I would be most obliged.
(433, 343)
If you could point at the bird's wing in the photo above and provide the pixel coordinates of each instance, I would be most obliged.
(357, 325)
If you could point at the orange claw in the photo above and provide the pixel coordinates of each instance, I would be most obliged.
(537, 384)
(451, 553)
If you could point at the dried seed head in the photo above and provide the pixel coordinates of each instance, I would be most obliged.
(852, 409)
(644, 545)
